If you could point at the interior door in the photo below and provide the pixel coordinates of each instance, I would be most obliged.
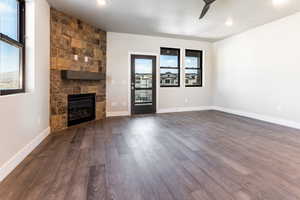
(143, 84)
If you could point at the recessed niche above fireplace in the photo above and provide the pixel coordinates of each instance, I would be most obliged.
(81, 108)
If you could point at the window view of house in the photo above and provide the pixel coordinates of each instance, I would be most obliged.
(11, 47)
(193, 68)
(143, 81)
(169, 67)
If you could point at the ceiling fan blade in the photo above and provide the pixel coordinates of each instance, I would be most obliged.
(204, 11)
(209, 1)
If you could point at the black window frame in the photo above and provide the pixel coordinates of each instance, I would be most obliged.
(164, 67)
(200, 68)
(20, 43)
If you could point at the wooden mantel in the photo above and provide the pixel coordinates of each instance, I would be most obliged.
(82, 75)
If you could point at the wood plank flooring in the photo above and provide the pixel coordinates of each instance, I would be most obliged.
(206, 155)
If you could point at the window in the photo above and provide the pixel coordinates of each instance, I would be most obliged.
(193, 68)
(12, 45)
(169, 67)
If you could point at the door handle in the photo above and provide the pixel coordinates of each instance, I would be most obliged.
(132, 87)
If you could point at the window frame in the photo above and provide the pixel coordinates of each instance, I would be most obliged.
(192, 68)
(178, 67)
(20, 43)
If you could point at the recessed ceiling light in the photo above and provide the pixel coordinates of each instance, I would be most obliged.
(229, 22)
(279, 2)
(101, 2)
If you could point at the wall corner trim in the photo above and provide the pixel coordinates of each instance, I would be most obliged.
(12, 163)
(265, 118)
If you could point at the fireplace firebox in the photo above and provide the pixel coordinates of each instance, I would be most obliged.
(81, 108)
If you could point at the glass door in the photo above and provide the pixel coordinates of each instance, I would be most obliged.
(143, 84)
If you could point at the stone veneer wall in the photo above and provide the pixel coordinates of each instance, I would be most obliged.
(69, 37)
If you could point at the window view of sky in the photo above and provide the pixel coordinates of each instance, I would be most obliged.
(168, 61)
(9, 18)
(173, 71)
(9, 55)
(191, 62)
(191, 71)
(143, 66)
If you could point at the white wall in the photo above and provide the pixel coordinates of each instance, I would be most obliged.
(120, 45)
(24, 118)
(258, 71)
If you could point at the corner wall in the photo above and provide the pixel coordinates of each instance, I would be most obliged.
(256, 73)
(24, 118)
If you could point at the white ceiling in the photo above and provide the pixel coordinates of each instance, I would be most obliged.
(177, 18)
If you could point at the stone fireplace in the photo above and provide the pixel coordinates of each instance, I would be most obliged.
(75, 46)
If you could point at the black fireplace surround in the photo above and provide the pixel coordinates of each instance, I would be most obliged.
(81, 108)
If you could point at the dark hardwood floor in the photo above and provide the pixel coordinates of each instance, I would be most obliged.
(205, 155)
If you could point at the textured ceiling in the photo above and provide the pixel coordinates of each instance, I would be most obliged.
(177, 18)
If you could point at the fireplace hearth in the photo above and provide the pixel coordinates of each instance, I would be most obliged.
(81, 108)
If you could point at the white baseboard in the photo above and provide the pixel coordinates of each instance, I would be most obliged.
(184, 109)
(265, 118)
(117, 114)
(10, 165)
